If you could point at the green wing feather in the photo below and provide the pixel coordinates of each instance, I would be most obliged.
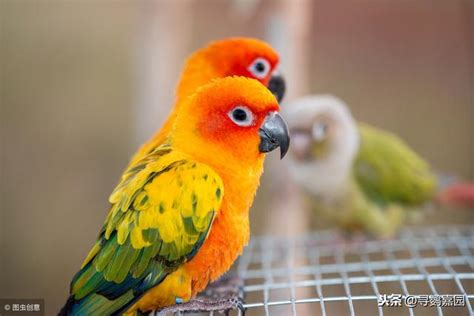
(161, 213)
(388, 171)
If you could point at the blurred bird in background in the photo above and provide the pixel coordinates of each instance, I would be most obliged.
(179, 216)
(357, 176)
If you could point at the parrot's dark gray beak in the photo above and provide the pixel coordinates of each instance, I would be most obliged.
(277, 86)
(274, 133)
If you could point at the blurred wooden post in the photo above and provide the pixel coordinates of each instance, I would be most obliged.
(161, 50)
(290, 33)
(291, 36)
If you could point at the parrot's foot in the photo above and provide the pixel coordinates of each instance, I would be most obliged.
(221, 295)
(201, 304)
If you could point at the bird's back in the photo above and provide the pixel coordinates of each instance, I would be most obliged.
(389, 171)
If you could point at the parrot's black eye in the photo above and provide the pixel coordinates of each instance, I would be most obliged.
(259, 68)
(241, 116)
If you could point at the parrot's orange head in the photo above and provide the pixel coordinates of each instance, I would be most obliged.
(243, 57)
(237, 56)
(230, 122)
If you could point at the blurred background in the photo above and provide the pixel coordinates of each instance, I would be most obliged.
(84, 83)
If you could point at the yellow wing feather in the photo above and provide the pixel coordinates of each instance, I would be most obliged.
(161, 213)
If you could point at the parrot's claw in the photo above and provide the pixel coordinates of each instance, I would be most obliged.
(223, 305)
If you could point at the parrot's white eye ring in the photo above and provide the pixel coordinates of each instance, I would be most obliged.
(241, 116)
(320, 131)
(259, 68)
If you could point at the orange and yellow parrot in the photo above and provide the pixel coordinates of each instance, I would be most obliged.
(237, 56)
(179, 217)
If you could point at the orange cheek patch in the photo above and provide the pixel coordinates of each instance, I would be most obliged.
(214, 125)
(241, 141)
(220, 127)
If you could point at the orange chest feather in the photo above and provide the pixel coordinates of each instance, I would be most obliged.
(224, 244)
(227, 238)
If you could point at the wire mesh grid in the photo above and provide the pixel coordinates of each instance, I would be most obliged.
(322, 274)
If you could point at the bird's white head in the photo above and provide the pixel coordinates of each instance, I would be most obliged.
(324, 142)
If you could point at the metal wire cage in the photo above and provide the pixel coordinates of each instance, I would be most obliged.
(321, 274)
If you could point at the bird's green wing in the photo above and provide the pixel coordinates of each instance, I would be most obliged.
(388, 171)
(161, 213)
